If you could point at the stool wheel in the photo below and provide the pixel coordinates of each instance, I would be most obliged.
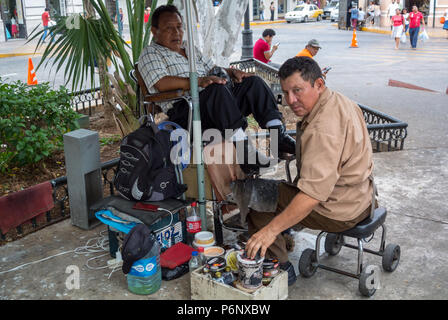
(366, 283)
(306, 267)
(391, 257)
(334, 243)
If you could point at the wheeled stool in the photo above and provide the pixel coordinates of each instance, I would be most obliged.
(309, 260)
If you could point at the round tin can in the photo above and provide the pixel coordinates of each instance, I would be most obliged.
(250, 272)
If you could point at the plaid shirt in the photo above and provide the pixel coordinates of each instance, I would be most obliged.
(157, 61)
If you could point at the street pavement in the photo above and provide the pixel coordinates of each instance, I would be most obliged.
(412, 184)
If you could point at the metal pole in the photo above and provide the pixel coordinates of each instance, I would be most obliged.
(434, 14)
(247, 47)
(197, 129)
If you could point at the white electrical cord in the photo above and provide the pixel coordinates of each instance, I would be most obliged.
(171, 222)
(101, 245)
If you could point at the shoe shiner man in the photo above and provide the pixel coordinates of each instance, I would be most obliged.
(333, 191)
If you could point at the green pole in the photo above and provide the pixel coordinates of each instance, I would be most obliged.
(197, 129)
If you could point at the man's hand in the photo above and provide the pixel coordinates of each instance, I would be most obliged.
(238, 75)
(297, 210)
(204, 82)
(261, 240)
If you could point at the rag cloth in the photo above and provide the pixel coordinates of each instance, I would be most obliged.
(257, 194)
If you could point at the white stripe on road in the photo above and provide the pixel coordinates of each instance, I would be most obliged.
(8, 75)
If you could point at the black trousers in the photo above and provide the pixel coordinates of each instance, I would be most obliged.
(223, 108)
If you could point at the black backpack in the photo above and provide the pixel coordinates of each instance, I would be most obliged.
(145, 171)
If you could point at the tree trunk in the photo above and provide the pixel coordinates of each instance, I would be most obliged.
(106, 90)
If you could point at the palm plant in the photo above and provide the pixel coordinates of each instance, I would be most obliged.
(91, 39)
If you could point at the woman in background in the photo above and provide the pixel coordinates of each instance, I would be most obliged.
(406, 21)
(398, 27)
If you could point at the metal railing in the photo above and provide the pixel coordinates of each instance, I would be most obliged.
(84, 100)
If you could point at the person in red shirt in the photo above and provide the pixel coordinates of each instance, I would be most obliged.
(147, 14)
(415, 19)
(45, 20)
(398, 27)
(262, 48)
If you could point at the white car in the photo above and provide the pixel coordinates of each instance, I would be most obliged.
(305, 13)
(334, 15)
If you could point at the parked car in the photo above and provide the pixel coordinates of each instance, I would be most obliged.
(304, 13)
(329, 8)
(334, 16)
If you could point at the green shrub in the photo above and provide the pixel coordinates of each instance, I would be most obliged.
(32, 122)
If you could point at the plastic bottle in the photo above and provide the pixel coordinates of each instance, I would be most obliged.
(194, 261)
(218, 277)
(145, 276)
(202, 257)
(193, 222)
(228, 276)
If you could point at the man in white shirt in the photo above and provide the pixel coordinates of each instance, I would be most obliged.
(361, 16)
(391, 11)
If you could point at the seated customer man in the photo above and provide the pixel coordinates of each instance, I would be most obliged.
(334, 161)
(164, 67)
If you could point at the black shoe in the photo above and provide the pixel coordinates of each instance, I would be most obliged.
(286, 143)
(250, 153)
(288, 267)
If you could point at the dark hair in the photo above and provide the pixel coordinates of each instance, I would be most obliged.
(268, 32)
(308, 68)
(46, 9)
(161, 10)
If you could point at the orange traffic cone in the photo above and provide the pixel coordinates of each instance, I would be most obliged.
(354, 40)
(31, 73)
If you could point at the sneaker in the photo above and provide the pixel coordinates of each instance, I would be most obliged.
(288, 267)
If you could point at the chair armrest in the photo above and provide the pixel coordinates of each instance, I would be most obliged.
(164, 96)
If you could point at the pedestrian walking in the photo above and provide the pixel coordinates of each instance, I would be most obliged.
(361, 16)
(415, 20)
(370, 14)
(45, 19)
(398, 27)
(262, 10)
(377, 15)
(354, 16)
(272, 8)
(120, 21)
(445, 24)
(405, 14)
(14, 27)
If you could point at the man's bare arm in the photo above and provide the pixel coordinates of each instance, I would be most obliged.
(170, 83)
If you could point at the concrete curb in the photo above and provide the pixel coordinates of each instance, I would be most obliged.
(17, 54)
(265, 22)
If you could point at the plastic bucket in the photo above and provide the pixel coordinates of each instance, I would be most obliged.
(250, 272)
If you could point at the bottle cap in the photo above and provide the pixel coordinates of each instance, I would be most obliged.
(200, 249)
(217, 274)
(227, 269)
(194, 204)
(194, 253)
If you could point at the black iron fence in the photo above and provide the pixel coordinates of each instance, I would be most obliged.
(83, 101)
